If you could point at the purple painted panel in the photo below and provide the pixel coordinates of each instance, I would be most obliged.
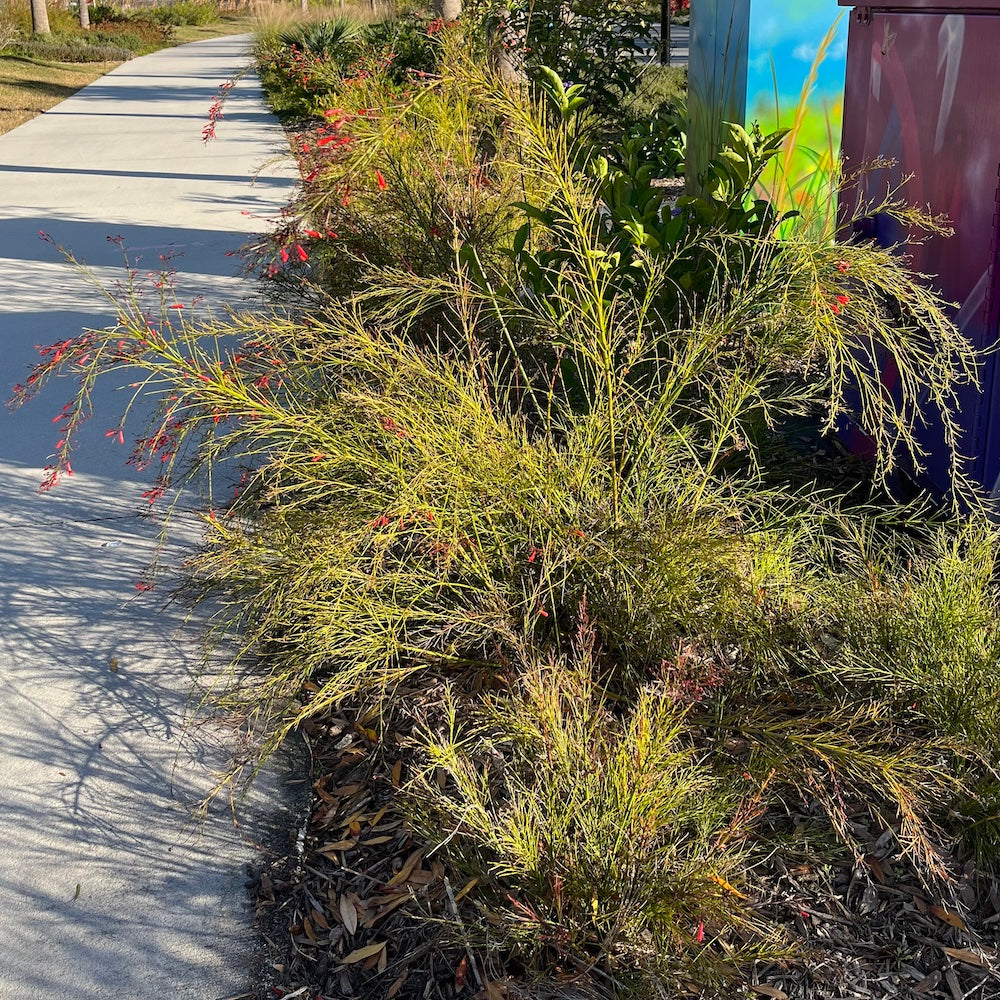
(946, 6)
(921, 91)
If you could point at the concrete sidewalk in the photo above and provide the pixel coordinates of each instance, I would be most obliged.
(109, 886)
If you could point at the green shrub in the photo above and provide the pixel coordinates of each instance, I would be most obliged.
(196, 12)
(336, 39)
(180, 12)
(410, 44)
(603, 841)
(543, 460)
(407, 175)
(657, 143)
(659, 87)
(109, 13)
(312, 67)
(584, 41)
(137, 36)
(70, 49)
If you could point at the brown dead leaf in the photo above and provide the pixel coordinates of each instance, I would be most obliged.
(408, 865)
(461, 973)
(319, 919)
(386, 904)
(927, 983)
(952, 919)
(360, 954)
(348, 914)
(346, 790)
(337, 845)
(964, 955)
(876, 867)
(397, 776)
(769, 991)
(397, 985)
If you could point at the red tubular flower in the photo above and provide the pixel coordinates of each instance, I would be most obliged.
(303, 256)
(380, 180)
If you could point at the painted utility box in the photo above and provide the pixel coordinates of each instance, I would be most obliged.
(749, 61)
(922, 91)
(795, 80)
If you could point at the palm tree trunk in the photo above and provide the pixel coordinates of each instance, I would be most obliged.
(39, 18)
(448, 10)
(84, 15)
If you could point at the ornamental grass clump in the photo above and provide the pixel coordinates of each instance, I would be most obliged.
(601, 837)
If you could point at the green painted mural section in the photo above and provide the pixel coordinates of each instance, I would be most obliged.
(795, 79)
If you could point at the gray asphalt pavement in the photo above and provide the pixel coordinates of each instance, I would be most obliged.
(680, 41)
(110, 885)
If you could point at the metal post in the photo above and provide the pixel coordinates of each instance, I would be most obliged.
(665, 32)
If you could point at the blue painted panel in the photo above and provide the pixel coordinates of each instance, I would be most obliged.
(786, 38)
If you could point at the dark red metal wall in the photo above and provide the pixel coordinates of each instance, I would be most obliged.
(923, 90)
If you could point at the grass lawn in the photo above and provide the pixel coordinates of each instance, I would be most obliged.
(30, 86)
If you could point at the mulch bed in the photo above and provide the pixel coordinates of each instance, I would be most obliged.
(365, 911)
(873, 931)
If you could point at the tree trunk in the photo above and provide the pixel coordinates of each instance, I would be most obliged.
(84, 15)
(448, 10)
(39, 18)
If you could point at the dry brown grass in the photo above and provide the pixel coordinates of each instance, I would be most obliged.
(29, 87)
